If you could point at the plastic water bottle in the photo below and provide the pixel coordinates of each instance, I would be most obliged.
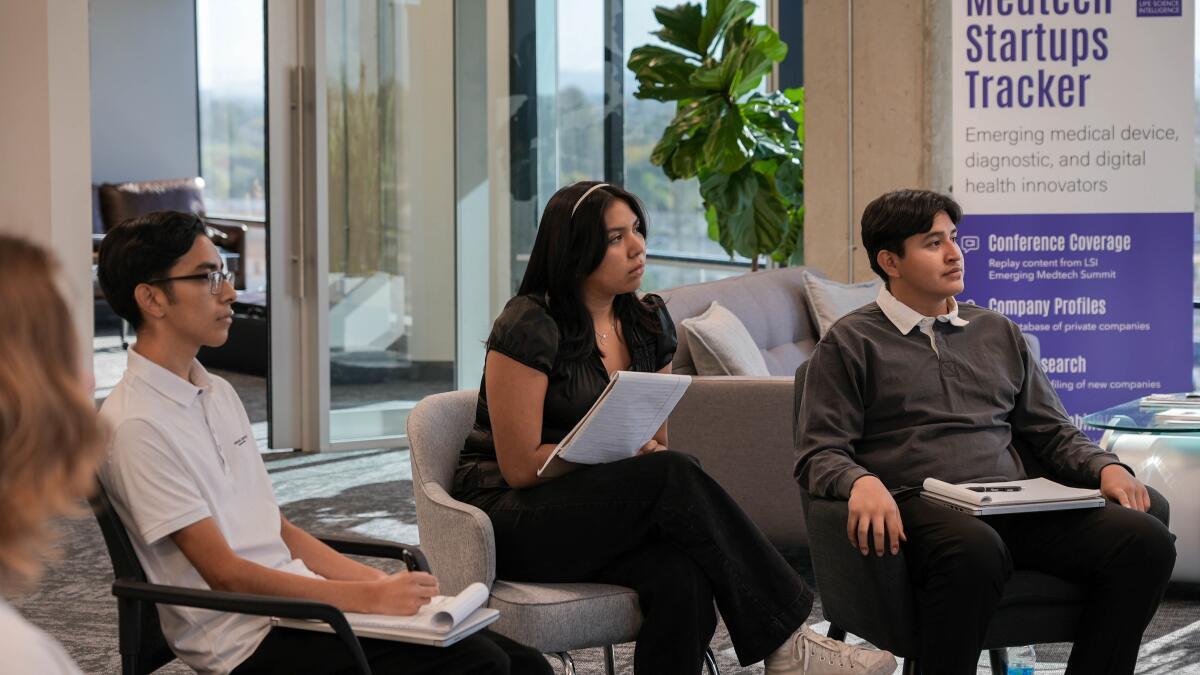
(1021, 660)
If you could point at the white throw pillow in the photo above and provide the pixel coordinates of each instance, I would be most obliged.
(830, 300)
(721, 345)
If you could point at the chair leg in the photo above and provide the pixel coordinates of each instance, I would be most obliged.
(999, 661)
(610, 660)
(912, 666)
(836, 632)
(567, 663)
(710, 662)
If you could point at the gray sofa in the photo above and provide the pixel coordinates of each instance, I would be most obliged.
(741, 427)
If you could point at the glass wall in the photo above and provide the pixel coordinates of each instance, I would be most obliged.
(568, 119)
(388, 189)
(230, 72)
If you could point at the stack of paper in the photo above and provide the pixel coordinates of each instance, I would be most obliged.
(441, 623)
(1017, 496)
(628, 413)
(1188, 400)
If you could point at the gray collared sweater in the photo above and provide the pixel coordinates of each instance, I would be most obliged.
(883, 403)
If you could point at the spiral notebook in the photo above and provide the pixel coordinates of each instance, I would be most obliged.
(1014, 496)
(624, 418)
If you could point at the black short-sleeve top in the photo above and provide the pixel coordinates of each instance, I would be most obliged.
(527, 333)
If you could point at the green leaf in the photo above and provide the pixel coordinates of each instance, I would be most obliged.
(662, 74)
(715, 232)
(728, 192)
(681, 27)
(688, 158)
(728, 146)
(769, 221)
(761, 51)
(791, 247)
(796, 96)
(789, 181)
(719, 17)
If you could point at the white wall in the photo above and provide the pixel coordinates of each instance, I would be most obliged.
(143, 83)
(45, 140)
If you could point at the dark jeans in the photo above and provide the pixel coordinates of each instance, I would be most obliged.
(959, 565)
(660, 525)
(289, 650)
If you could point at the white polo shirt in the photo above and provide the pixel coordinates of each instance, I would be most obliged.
(183, 451)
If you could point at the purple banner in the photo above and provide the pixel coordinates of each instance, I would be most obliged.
(1108, 295)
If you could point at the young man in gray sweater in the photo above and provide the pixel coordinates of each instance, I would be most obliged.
(916, 385)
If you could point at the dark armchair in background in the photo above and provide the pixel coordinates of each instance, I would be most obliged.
(874, 599)
(113, 203)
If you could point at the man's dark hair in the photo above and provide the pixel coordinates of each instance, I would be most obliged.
(141, 249)
(896, 216)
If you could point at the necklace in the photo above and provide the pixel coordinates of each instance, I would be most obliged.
(604, 335)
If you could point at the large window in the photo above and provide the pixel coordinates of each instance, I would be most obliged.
(230, 71)
(574, 121)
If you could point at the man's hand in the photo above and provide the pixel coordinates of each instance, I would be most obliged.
(1118, 485)
(403, 593)
(873, 511)
(652, 446)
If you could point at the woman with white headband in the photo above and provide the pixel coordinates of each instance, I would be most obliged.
(656, 522)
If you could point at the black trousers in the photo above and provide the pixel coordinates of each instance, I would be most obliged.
(959, 565)
(660, 525)
(289, 650)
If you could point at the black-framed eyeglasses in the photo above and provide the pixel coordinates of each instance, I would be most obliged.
(214, 278)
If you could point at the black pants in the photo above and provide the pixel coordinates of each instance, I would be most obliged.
(289, 650)
(659, 525)
(959, 565)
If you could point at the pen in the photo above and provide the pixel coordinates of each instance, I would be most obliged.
(1001, 488)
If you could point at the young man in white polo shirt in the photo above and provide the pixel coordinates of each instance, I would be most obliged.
(187, 480)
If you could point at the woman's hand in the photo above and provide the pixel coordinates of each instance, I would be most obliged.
(652, 446)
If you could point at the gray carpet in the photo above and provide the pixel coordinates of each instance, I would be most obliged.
(370, 492)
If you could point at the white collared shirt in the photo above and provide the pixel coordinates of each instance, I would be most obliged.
(904, 318)
(183, 451)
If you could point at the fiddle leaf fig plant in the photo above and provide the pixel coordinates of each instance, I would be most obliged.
(745, 146)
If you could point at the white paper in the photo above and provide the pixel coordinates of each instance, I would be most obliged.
(1033, 490)
(623, 419)
(441, 615)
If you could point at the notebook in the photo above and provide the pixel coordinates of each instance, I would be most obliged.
(441, 623)
(624, 418)
(1016, 496)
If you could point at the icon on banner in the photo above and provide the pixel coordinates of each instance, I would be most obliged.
(968, 243)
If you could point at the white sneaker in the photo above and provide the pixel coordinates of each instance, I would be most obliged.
(807, 653)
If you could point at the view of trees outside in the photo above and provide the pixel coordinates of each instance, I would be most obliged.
(230, 69)
(674, 210)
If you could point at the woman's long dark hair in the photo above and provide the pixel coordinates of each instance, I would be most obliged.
(569, 248)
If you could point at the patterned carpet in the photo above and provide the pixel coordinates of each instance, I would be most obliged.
(370, 492)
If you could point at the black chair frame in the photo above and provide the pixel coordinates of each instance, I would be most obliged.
(142, 645)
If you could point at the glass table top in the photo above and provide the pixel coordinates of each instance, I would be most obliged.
(1151, 418)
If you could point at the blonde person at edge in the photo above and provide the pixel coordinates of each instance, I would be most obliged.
(654, 522)
(188, 481)
(50, 441)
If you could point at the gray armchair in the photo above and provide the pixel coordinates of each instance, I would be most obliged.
(461, 547)
(873, 598)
